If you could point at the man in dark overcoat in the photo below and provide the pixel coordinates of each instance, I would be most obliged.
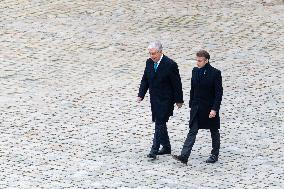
(205, 100)
(161, 76)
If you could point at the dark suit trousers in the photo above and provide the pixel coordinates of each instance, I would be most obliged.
(161, 137)
(191, 136)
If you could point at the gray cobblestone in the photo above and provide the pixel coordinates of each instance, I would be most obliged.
(69, 74)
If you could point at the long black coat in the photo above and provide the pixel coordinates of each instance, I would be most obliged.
(206, 95)
(164, 86)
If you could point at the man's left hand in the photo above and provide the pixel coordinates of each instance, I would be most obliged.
(212, 114)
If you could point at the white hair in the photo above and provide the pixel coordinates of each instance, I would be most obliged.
(156, 45)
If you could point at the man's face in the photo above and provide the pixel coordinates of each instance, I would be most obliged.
(155, 55)
(201, 61)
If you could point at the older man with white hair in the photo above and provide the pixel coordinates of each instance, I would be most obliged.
(161, 76)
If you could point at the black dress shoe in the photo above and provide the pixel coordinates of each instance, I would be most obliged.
(152, 156)
(212, 159)
(164, 151)
(181, 159)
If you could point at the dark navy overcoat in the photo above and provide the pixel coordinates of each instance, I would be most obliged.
(165, 88)
(205, 95)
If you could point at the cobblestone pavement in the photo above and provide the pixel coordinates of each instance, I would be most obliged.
(70, 71)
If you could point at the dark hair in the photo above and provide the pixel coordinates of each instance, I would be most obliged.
(203, 53)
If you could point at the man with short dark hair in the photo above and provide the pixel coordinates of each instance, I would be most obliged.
(161, 77)
(205, 100)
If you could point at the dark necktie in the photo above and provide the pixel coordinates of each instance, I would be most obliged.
(200, 73)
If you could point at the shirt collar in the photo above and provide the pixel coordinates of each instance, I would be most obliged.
(160, 59)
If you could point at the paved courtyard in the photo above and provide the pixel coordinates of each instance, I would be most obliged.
(69, 77)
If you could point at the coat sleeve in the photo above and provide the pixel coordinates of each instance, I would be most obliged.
(191, 91)
(218, 91)
(144, 85)
(176, 83)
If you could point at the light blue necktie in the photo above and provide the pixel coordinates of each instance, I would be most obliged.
(155, 66)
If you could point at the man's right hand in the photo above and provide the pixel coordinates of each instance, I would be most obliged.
(139, 99)
(179, 105)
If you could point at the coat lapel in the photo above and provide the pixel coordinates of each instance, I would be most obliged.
(207, 77)
(207, 73)
(151, 70)
(195, 75)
